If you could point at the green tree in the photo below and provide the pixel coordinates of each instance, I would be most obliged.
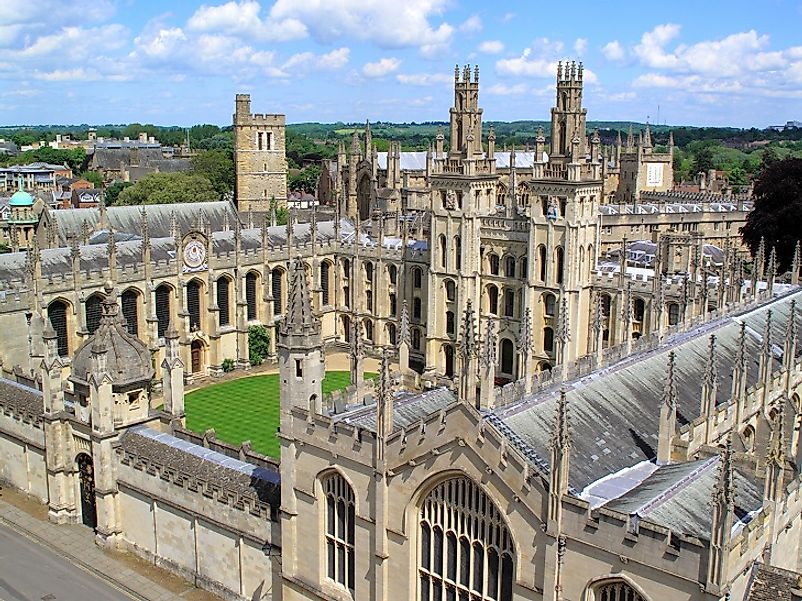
(304, 180)
(93, 177)
(258, 344)
(769, 157)
(113, 192)
(166, 188)
(702, 161)
(4, 248)
(217, 166)
(777, 211)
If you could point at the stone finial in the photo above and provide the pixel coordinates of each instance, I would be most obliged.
(776, 451)
(299, 320)
(771, 270)
(795, 264)
(468, 345)
(711, 365)
(357, 345)
(561, 430)
(403, 330)
(384, 401)
(488, 355)
(724, 489)
(740, 351)
(669, 398)
(525, 342)
(563, 325)
(789, 348)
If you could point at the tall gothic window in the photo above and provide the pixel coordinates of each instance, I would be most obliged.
(616, 591)
(276, 290)
(541, 259)
(130, 311)
(559, 264)
(509, 303)
(223, 301)
(451, 290)
(465, 550)
(57, 314)
(250, 294)
(324, 282)
(509, 267)
(194, 305)
(450, 326)
(492, 299)
(548, 340)
(93, 313)
(162, 309)
(340, 518)
(417, 277)
(443, 251)
(494, 264)
(673, 314)
(457, 252)
(416, 308)
(392, 271)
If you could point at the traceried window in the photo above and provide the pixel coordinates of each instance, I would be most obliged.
(57, 313)
(324, 282)
(130, 302)
(163, 294)
(194, 305)
(417, 277)
(339, 538)
(673, 314)
(250, 294)
(451, 290)
(223, 304)
(276, 290)
(465, 552)
(93, 309)
(616, 591)
(494, 264)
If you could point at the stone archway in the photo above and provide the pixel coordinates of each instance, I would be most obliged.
(196, 354)
(86, 481)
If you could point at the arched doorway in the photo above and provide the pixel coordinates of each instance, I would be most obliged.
(196, 350)
(86, 479)
(507, 357)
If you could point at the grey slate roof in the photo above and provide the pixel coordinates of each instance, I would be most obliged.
(678, 497)
(20, 399)
(407, 410)
(197, 462)
(416, 160)
(614, 413)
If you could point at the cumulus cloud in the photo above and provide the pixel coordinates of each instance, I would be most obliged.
(423, 79)
(242, 18)
(501, 89)
(651, 50)
(380, 68)
(491, 47)
(472, 24)
(388, 25)
(308, 61)
(527, 65)
(580, 46)
(613, 51)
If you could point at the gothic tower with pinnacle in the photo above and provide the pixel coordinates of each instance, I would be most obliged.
(466, 116)
(568, 118)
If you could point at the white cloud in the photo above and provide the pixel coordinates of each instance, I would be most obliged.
(491, 47)
(79, 74)
(386, 24)
(380, 68)
(506, 17)
(651, 50)
(308, 61)
(242, 18)
(501, 89)
(613, 51)
(161, 43)
(472, 24)
(580, 46)
(423, 79)
(527, 65)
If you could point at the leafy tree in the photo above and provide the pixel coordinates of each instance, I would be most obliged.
(777, 211)
(217, 166)
(166, 188)
(258, 344)
(769, 157)
(702, 161)
(4, 248)
(305, 179)
(113, 192)
(737, 177)
(93, 177)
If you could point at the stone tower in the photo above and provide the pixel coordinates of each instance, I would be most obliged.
(466, 116)
(567, 117)
(300, 349)
(260, 162)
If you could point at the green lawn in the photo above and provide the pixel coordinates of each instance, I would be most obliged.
(247, 409)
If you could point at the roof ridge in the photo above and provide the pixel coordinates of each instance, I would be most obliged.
(669, 493)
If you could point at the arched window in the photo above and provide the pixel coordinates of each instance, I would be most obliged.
(416, 339)
(224, 301)
(448, 350)
(340, 529)
(130, 303)
(465, 549)
(451, 290)
(163, 309)
(673, 314)
(346, 268)
(509, 303)
(417, 277)
(369, 271)
(392, 271)
(549, 305)
(494, 263)
(749, 439)
(94, 310)
(548, 340)
(450, 325)
(276, 289)
(492, 299)
(393, 305)
(368, 326)
(606, 303)
(507, 356)
(639, 309)
(544, 205)
(250, 294)
(194, 305)
(541, 259)
(325, 268)
(509, 267)
(391, 334)
(346, 321)
(369, 300)
(443, 251)
(523, 268)
(559, 263)
(617, 590)
(57, 314)
(457, 252)
(416, 308)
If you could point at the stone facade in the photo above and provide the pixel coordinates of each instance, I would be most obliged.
(260, 162)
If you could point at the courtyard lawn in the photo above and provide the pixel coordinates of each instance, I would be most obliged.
(247, 409)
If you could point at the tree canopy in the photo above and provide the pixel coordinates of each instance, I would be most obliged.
(218, 167)
(777, 212)
(168, 188)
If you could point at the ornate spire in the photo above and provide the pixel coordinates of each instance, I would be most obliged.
(488, 354)
(144, 226)
(647, 136)
(525, 342)
(764, 371)
(561, 431)
(776, 452)
(598, 315)
(771, 270)
(384, 402)
(724, 490)
(299, 320)
(403, 331)
(711, 365)
(795, 264)
(563, 326)
(789, 348)
(468, 344)
(356, 342)
(670, 387)
(740, 352)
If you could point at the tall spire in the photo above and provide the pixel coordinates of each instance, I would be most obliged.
(647, 136)
(300, 320)
(709, 388)
(795, 265)
(668, 413)
(561, 430)
(771, 270)
(766, 354)
(384, 402)
(488, 354)
(789, 348)
(560, 463)
(403, 330)
(468, 351)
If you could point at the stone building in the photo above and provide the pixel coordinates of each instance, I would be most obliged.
(260, 162)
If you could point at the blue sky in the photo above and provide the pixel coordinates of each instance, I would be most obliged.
(181, 62)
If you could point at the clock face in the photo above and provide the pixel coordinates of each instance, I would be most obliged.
(194, 254)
